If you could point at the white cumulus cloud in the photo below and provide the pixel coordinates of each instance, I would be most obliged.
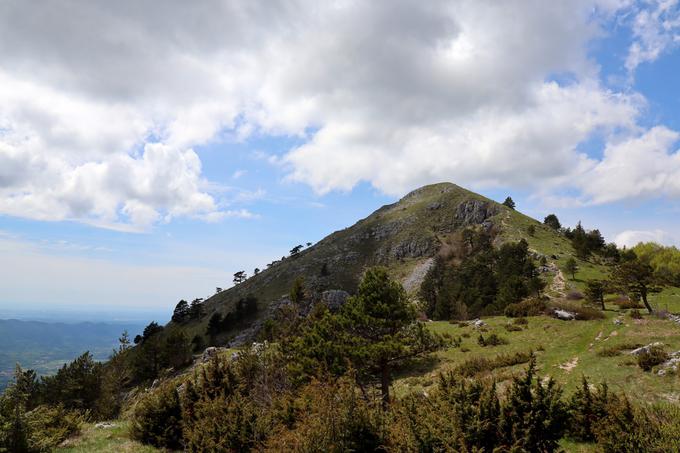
(103, 104)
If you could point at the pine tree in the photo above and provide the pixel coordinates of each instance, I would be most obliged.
(571, 267)
(181, 312)
(509, 202)
(552, 221)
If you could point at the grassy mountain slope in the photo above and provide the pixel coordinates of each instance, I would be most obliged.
(403, 236)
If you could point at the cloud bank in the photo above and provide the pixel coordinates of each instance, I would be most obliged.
(103, 105)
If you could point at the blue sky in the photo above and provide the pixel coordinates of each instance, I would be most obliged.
(143, 167)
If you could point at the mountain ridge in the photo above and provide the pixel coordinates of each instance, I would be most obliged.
(401, 236)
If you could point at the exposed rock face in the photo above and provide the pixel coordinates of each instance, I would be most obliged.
(334, 298)
(413, 281)
(671, 365)
(474, 212)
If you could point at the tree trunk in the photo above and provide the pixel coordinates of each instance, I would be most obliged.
(385, 385)
(602, 302)
(643, 294)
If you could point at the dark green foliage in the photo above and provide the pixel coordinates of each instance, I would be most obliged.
(214, 326)
(459, 416)
(477, 365)
(469, 416)
(152, 329)
(484, 281)
(332, 416)
(197, 343)
(571, 267)
(49, 426)
(296, 250)
(531, 230)
(77, 385)
(374, 331)
(25, 426)
(177, 350)
(586, 410)
(509, 203)
(157, 418)
(625, 429)
(529, 307)
(246, 308)
(181, 312)
(534, 417)
(611, 252)
(297, 292)
(651, 358)
(585, 242)
(552, 221)
(240, 277)
(595, 291)
(491, 340)
(196, 309)
(638, 279)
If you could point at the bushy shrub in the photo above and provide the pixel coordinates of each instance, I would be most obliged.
(529, 307)
(491, 340)
(654, 356)
(49, 426)
(574, 295)
(521, 321)
(458, 416)
(477, 365)
(512, 327)
(625, 428)
(331, 416)
(616, 349)
(586, 409)
(635, 314)
(625, 303)
(582, 312)
(157, 418)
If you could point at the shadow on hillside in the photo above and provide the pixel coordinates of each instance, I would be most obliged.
(417, 367)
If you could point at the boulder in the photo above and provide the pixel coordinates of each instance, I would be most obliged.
(564, 315)
(477, 323)
(209, 353)
(104, 425)
(618, 321)
(645, 349)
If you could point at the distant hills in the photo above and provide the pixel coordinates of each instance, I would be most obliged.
(46, 346)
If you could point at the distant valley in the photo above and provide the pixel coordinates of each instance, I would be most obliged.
(46, 346)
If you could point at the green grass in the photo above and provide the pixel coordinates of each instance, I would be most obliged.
(105, 440)
(668, 299)
(562, 342)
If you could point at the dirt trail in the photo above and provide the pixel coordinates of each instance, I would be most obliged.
(570, 365)
(559, 284)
